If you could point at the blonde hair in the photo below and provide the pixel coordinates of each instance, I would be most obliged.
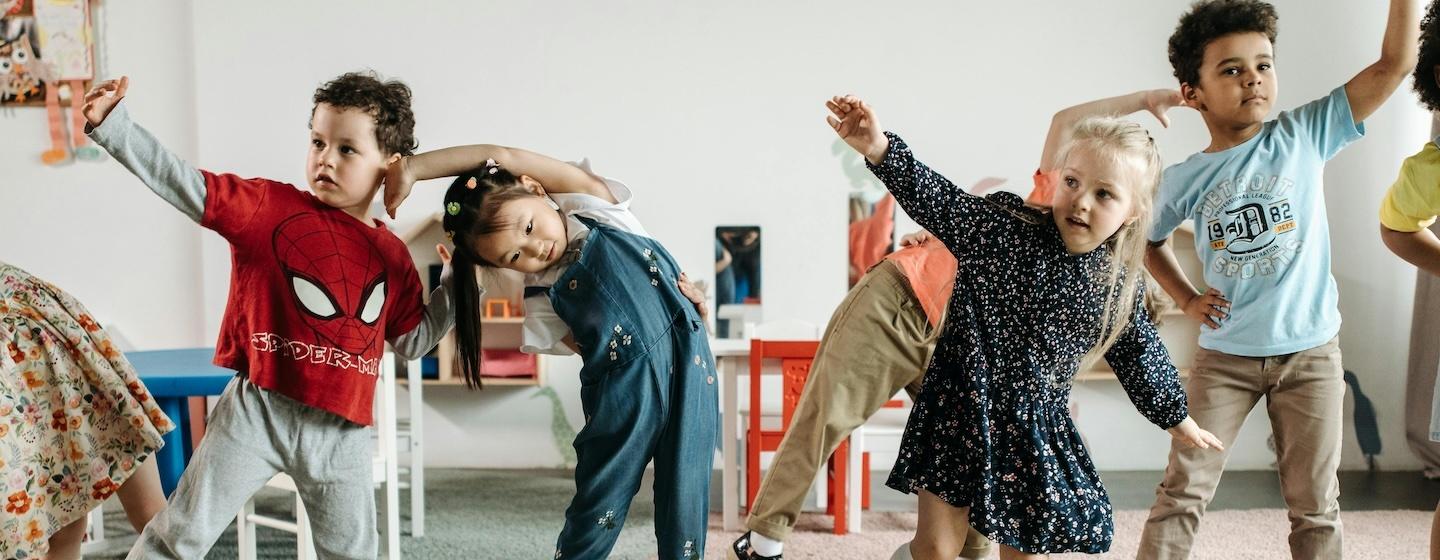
(1122, 143)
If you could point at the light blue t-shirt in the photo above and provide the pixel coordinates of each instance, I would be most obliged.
(1260, 229)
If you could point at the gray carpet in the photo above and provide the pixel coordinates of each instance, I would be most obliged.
(471, 514)
(482, 514)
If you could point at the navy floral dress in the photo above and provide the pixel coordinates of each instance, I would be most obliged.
(991, 430)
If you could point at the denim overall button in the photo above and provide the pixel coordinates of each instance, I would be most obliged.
(574, 284)
(710, 380)
(697, 359)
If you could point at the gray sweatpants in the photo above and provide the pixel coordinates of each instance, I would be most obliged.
(253, 434)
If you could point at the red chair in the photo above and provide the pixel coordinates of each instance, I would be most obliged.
(795, 360)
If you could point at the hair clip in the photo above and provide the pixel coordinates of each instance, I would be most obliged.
(491, 167)
(470, 184)
(450, 235)
(453, 208)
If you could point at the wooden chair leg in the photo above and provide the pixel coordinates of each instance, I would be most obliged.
(865, 480)
(842, 463)
(752, 468)
(245, 529)
(304, 539)
(830, 486)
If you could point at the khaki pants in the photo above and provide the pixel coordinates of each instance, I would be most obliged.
(1305, 395)
(878, 342)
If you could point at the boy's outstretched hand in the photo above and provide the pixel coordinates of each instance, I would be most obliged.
(103, 98)
(1190, 433)
(855, 122)
(398, 181)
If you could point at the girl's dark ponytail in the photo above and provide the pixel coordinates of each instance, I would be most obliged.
(471, 204)
(461, 204)
(467, 315)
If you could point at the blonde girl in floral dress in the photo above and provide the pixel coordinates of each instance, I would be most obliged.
(76, 425)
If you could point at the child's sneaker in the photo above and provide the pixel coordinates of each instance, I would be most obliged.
(742, 550)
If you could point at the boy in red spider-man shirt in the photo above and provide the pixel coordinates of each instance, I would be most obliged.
(317, 288)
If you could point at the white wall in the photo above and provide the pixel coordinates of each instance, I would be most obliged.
(713, 113)
(92, 228)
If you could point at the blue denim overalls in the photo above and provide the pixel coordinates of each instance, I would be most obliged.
(648, 391)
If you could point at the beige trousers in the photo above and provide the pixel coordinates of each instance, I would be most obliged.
(1304, 395)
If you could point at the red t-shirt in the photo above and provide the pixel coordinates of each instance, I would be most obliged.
(314, 294)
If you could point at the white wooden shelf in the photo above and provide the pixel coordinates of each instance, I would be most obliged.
(486, 381)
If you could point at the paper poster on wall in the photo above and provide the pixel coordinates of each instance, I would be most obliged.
(20, 83)
(46, 58)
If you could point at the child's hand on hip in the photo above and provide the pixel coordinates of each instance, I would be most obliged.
(855, 122)
(103, 98)
(398, 181)
(1190, 433)
(695, 295)
(1208, 308)
(914, 239)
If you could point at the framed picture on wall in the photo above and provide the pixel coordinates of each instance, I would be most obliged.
(45, 44)
(20, 83)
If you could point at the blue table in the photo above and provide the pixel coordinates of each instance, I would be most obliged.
(172, 376)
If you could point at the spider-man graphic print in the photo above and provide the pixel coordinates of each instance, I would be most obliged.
(314, 293)
(336, 276)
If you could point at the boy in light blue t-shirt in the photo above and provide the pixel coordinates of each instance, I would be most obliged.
(1270, 316)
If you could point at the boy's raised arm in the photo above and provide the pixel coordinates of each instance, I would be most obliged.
(176, 181)
(1373, 85)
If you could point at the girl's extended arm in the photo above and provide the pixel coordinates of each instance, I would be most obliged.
(932, 200)
(1156, 101)
(553, 175)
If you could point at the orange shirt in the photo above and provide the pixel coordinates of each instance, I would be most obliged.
(1044, 189)
(871, 238)
(930, 268)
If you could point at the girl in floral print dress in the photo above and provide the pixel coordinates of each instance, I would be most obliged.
(1039, 296)
(76, 424)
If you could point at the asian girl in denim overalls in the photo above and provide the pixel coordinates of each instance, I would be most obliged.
(647, 389)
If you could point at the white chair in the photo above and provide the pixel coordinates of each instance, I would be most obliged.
(879, 425)
(386, 475)
(786, 329)
(410, 435)
(740, 316)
